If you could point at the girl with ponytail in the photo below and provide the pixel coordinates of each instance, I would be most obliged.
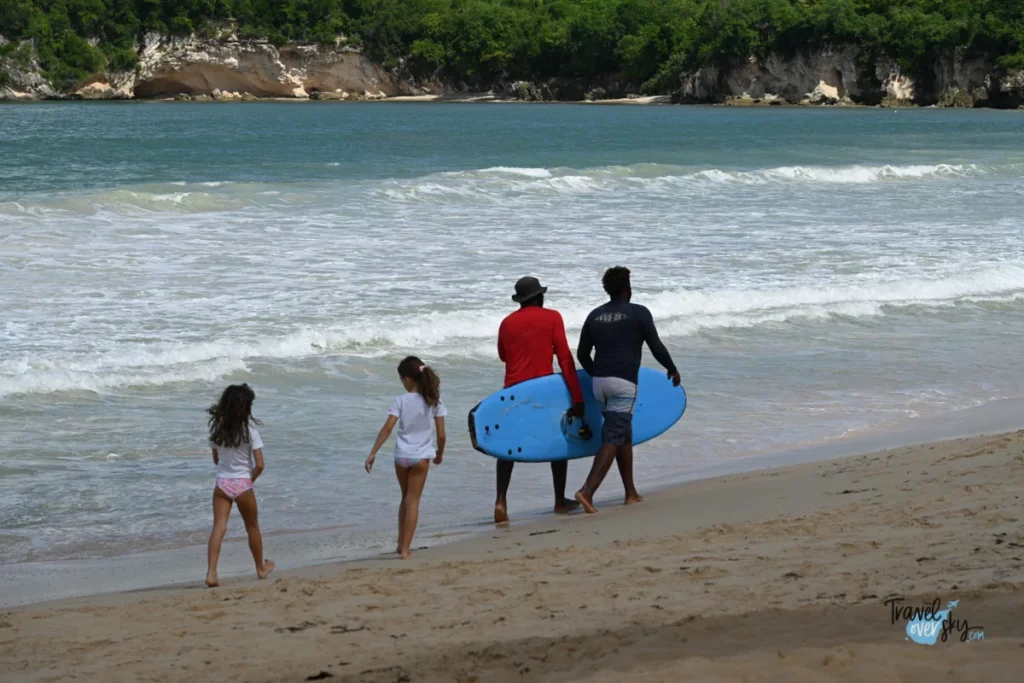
(417, 413)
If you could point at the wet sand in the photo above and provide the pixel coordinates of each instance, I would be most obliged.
(777, 575)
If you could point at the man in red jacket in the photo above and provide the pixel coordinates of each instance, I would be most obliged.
(527, 339)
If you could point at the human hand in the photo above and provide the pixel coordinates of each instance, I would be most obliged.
(674, 376)
(578, 410)
(369, 462)
(438, 458)
(257, 471)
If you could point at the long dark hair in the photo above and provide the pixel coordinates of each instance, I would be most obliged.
(428, 384)
(230, 417)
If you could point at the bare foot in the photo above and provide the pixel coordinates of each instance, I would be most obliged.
(500, 514)
(268, 567)
(634, 499)
(566, 506)
(211, 581)
(405, 554)
(585, 500)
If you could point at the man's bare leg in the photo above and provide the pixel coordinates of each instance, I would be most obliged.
(602, 463)
(624, 459)
(559, 473)
(504, 474)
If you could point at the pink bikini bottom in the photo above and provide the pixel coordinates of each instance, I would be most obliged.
(233, 488)
(408, 462)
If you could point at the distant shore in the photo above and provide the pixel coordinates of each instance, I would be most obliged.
(467, 98)
(491, 98)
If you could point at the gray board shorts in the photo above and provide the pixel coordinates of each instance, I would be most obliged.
(618, 396)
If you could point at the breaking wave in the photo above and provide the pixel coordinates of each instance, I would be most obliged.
(470, 333)
(495, 184)
(501, 182)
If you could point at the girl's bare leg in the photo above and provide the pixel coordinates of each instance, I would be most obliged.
(403, 481)
(221, 510)
(417, 478)
(250, 515)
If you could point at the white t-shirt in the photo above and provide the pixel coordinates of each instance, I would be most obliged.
(237, 463)
(415, 425)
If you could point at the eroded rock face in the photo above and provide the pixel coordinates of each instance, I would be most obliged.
(191, 66)
(23, 79)
(837, 77)
(221, 69)
(199, 67)
(827, 77)
(227, 68)
(898, 89)
(112, 86)
(526, 92)
(824, 93)
(701, 86)
(1010, 91)
(961, 81)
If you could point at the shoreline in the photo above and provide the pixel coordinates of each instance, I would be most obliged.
(55, 581)
(468, 98)
(782, 572)
(490, 98)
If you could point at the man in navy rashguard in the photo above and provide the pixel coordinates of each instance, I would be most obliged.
(618, 331)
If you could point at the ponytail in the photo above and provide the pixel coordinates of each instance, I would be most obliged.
(428, 384)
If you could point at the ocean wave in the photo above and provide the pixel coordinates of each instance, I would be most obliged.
(840, 174)
(651, 171)
(466, 334)
(169, 198)
(494, 184)
(499, 183)
(998, 283)
(507, 170)
(46, 377)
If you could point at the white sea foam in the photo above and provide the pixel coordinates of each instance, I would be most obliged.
(506, 170)
(498, 183)
(995, 283)
(470, 333)
(46, 378)
(838, 175)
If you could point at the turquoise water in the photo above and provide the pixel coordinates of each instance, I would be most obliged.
(815, 273)
(61, 147)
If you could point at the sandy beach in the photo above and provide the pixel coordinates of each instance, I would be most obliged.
(777, 575)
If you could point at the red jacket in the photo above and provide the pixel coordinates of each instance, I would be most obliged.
(527, 339)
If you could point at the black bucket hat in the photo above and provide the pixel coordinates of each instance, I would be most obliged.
(527, 288)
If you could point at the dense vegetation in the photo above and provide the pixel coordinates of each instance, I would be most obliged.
(486, 40)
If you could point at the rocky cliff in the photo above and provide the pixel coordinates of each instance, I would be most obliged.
(843, 76)
(229, 68)
(21, 77)
(223, 68)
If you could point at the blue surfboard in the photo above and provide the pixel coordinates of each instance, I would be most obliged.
(528, 422)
